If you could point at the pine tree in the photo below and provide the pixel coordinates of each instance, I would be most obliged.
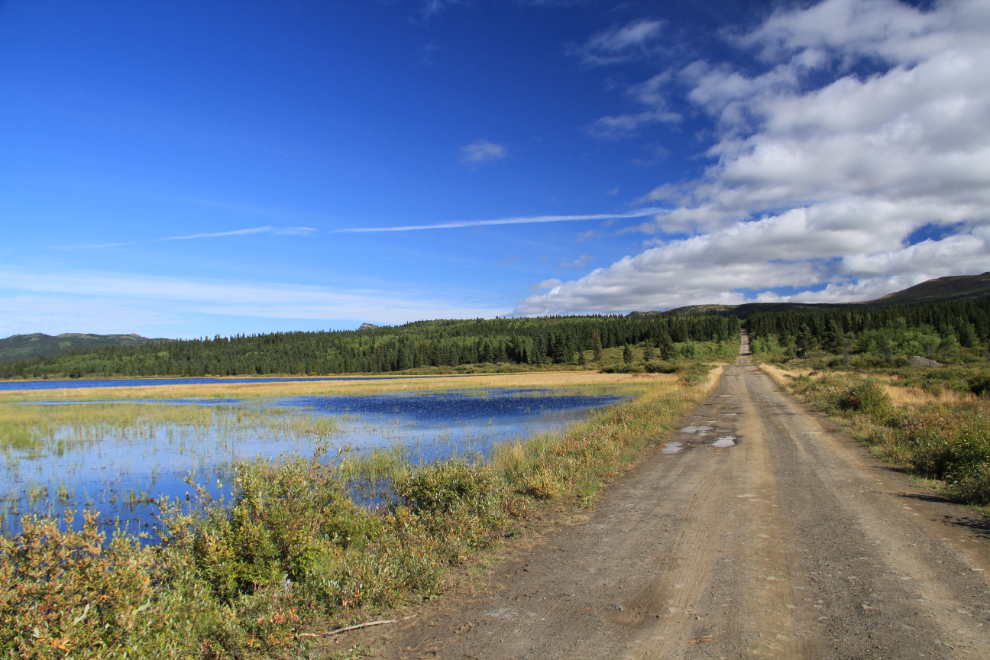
(648, 353)
(627, 354)
(597, 347)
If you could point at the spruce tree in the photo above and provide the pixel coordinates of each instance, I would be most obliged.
(597, 347)
(666, 348)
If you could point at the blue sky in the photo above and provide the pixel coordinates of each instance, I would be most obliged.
(196, 168)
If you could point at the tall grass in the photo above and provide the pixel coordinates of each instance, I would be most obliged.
(289, 550)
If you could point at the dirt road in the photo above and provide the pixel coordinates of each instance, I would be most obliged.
(791, 543)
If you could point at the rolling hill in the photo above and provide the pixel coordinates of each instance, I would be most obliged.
(26, 347)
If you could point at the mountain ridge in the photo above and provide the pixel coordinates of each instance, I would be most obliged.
(957, 287)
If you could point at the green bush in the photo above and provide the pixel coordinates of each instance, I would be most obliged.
(660, 368)
(868, 397)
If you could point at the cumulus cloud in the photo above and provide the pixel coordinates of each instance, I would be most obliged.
(818, 186)
(547, 284)
(482, 151)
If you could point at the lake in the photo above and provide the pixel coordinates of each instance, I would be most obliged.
(117, 457)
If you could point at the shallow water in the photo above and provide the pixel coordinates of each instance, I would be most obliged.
(121, 472)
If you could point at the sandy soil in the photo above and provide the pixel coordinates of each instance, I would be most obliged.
(792, 543)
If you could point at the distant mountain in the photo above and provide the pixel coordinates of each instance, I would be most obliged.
(937, 290)
(690, 310)
(943, 288)
(26, 347)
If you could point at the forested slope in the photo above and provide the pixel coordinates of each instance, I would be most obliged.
(934, 330)
(533, 341)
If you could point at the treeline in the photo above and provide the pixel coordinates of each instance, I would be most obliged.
(933, 330)
(450, 343)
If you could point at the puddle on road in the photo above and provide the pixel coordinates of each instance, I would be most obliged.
(725, 441)
(694, 429)
(729, 414)
(672, 448)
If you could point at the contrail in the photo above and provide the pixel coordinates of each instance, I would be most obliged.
(288, 231)
(504, 221)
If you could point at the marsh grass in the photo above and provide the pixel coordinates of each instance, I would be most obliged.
(290, 550)
(46, 427)
(545, 379)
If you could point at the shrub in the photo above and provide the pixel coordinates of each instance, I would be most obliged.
(660, 368)
(67, 593)
(868, 397)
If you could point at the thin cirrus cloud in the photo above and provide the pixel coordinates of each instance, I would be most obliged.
(641, 213)
(482, 151)
(580, 262)
(620, 44)
(105, 302)
(817, 187)
(653, 94)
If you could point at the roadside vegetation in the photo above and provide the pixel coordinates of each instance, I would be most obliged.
(912, 384)
(290, 554)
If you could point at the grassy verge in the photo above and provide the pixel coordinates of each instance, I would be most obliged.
(290, 551)
(911, 419)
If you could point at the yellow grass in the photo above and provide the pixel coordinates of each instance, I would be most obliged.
(901, 397)
(542, 379)
(781, 376)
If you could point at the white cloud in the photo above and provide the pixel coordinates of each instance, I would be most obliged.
(620, 44)
(816, 186)
(650, 94)
(580, 262)
(547, 284)
(431, 8)
(66, 302)
(482, 151)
